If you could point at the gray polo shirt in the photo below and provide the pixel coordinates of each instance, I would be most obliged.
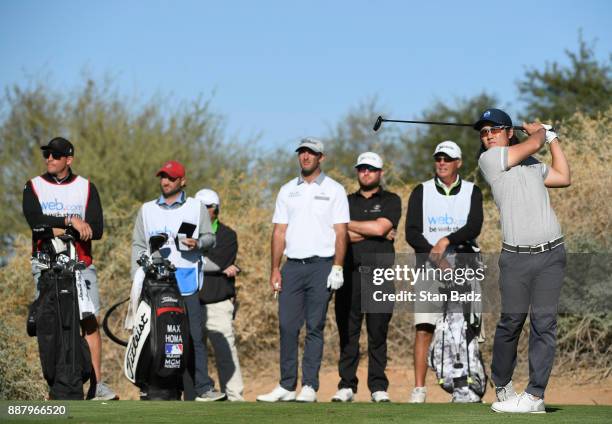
(527, 217)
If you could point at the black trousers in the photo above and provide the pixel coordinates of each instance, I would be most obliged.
(349, 318)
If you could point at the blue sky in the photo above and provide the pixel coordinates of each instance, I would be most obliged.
(286, 69)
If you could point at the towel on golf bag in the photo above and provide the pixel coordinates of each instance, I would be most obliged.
(86, 306)
(139, 277)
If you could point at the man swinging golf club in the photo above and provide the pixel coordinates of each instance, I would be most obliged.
(532, 261)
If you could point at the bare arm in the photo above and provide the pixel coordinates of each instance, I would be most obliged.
(533, 143)
(355, 237)
(379, 227)
(341, 243)
(559, 174)
(277, 248)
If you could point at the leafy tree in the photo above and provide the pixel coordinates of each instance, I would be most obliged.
(559, 91)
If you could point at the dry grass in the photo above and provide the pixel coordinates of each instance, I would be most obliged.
(584, 211)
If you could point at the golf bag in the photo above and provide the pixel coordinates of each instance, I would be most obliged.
(157, 349)
(454, 353)
(54, 319)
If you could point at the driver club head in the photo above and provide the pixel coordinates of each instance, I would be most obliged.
(378, 123)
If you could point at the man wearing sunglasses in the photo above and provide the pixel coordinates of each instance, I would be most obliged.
(187, 223)
(310, 220)
(375, 214)
(443, 212)
(61, 199)
(532, 261)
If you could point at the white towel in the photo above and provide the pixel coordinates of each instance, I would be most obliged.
(86, 306)
(139, 277)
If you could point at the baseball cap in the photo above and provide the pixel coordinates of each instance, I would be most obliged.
(311, 143)
(495, 116)
(369, 158)
(450, 148)
(60, 145)
(173, 169)
(208, 197)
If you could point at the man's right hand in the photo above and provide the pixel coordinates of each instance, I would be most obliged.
(276, 282)
(82, 227)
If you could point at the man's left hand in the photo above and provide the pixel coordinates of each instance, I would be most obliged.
(231, 271)
(335, 280)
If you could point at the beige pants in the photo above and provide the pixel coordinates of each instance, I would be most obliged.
(220, 331)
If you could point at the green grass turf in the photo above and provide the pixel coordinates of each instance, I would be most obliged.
(286, 413)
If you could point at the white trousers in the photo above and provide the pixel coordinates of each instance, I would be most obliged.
(220, 331)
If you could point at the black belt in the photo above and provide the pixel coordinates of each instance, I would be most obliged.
(312, 259)
(538, 248)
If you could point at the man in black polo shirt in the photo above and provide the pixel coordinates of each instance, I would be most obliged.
(375, 214)
(443, 212)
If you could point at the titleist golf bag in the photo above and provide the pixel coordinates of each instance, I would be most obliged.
(156, 352)
(454, 353)
(54, 317)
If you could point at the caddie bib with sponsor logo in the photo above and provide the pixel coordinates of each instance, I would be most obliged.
(62, 199)
(442, 214)
(188, 264)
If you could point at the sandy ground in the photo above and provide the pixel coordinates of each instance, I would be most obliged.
(572, 390)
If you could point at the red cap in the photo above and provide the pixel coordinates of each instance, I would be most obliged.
(173, 169)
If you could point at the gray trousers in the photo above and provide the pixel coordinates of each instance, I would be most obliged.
(528, 284)
(304, 297)
(202, 381)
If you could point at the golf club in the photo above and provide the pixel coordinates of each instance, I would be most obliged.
(380, 120)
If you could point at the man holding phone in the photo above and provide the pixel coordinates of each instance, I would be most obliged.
(190, 235)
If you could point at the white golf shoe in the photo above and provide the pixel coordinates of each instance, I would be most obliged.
(279, 394)
(344, 395)
(380, 396)
(522, 404)
(506, 392)
(307, 394)
(418, 395)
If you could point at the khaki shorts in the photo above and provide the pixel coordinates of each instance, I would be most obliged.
(427, 311)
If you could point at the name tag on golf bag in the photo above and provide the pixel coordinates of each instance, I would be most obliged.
(64, 354)
(159, 340)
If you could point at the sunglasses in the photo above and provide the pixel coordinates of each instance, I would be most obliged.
(56, 155)
(369, 168)
(444, 159)
(492, 130)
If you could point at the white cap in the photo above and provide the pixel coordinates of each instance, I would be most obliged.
(369, 158)
(311, 143)
(450, 148)
(208, 197)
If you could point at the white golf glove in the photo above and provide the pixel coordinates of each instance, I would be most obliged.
(550, 134)
(335, 280)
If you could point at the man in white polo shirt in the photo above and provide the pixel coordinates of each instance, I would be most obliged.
(310, 228)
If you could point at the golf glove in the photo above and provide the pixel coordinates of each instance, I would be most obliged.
(335, 280)
(550, 134)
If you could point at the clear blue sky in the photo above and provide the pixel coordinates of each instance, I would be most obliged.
(286, 69)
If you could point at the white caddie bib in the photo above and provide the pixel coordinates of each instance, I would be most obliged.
(442, 214)
(62, 199)
(188, 263)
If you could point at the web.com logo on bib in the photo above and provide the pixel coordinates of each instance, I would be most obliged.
(56, 207)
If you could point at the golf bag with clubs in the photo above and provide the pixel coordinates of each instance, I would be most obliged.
(454, 353)
(54, 317)
(156, 352)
